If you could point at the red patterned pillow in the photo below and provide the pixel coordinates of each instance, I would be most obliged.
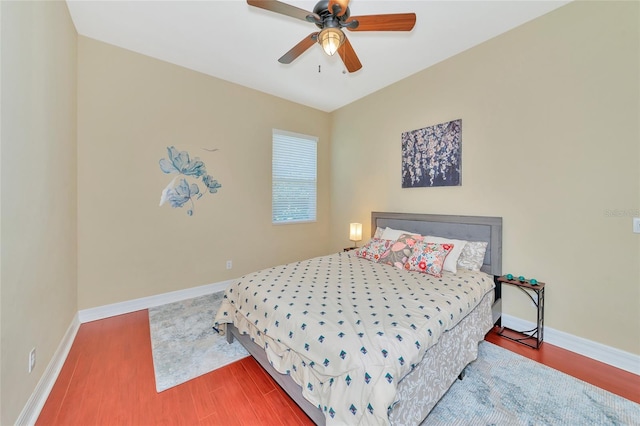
(374, 249)
(400, 250)
(428, 258)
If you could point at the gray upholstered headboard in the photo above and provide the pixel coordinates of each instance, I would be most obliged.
(469, 228)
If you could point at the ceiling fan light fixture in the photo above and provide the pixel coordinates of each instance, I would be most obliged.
(331, 39)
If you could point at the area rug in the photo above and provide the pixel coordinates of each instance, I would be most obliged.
(503, 388)
(183, 343)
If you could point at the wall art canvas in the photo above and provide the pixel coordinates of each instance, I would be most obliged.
(432, 156)
(183, 189)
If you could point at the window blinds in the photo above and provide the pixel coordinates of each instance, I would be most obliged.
(294, 177)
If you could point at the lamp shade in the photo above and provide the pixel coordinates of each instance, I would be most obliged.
(330, 39)
(355, 231)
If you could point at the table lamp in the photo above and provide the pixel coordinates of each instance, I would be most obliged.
(355, 233)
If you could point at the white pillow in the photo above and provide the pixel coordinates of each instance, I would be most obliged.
(451, 261)
(394, 234)
(378, 233)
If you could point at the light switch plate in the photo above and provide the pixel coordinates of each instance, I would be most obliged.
(636, 225)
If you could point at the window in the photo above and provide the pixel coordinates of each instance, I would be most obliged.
(294, 177)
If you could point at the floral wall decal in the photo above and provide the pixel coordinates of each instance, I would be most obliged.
(182, 190)
(432, 156)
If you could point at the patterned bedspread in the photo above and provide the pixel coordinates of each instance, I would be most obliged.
(347, 329)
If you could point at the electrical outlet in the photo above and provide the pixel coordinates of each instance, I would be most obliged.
(229, 264)
(32, 359)
(636, 225)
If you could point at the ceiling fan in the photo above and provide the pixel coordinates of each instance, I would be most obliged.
(331, 16)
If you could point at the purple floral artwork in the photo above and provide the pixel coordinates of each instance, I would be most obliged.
(432, 156)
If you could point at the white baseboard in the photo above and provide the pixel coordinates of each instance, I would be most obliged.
(106, 311)
(603, 353)
(36, 401)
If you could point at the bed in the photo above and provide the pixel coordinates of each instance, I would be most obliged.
(360, 342)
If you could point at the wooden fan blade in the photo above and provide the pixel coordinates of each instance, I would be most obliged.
(389, 22)
(344, 4)
(299, 49)
(282, 8)
(349, 56)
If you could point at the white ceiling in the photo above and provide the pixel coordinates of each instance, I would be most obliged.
(233, 41)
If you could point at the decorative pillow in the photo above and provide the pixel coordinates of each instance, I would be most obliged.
(374, 249)
(472, 256)
(378, 233)
(428, 257)
(401, 250)
(452, 259)
(393, 234)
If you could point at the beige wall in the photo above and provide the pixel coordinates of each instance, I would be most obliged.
(38, 126)
(551, 142)
(130, 108)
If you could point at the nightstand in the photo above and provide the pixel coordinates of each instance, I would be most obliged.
(349, 248)
(534, 337)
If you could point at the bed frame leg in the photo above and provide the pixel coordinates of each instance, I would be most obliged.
(229, 335)
(462, 373)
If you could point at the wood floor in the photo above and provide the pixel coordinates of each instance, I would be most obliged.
(108, 379)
